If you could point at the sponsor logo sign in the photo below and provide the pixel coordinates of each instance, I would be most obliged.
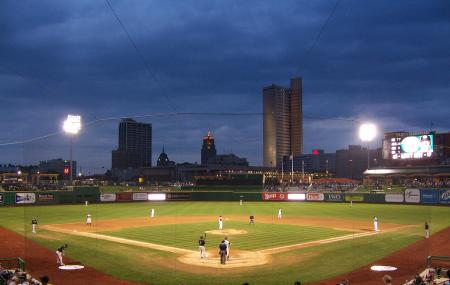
(178, 196)
(412, 196)
(296, 196)
(108, 197)
(394, 198)
(46, 198)
(25, 198)
(274, 196)
(444, 196)
(140, 196)
(354, 198)
(334, 197)
(1, 198)
(315, 197)
(429, 196)
(124, 196)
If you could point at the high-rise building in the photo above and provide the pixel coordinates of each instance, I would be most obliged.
(282, 122)
(208, 148)
(135, 145)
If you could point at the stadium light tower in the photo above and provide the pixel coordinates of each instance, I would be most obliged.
(367, 133)
(72, 126)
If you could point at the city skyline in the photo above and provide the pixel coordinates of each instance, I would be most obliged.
(389, 68)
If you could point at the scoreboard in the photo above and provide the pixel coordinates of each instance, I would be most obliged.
(409, 146)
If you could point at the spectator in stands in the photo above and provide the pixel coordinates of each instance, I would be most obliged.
(387, 279)
(297, 283)
(45, 280)
(343, 282)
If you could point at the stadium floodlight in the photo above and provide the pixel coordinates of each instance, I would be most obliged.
(367, 133)
(72, 126)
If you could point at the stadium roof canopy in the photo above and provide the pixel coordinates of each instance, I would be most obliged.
(409, 171)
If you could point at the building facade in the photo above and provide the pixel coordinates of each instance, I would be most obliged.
(135, 145)
(227, 160)
(208, 148)
(58, 166)
(282, 122)
(352, 162)
(316, 162)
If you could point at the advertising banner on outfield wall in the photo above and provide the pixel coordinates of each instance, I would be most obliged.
(108, 197)
(444, 196)
(178, 196)
(46, 198)
(335, 197)
(394, 198)
(25, 198)
(315, 197)
(412, 196)
(1, 199)
(269, 196)
(140, 196)
(354, 197)
(124, 196)
(429, 196)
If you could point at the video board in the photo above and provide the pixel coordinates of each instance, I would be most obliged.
(403, 145)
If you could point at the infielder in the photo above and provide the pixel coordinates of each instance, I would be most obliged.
(252, 220)
(201, 246)
(152, 213)
(220, 223)
(375, 224)
(227, 242)
(427, 230)
(280, 213)
(59, 254)
(34, 223)
(89, 220)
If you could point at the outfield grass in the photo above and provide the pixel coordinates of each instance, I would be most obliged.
(156, 267)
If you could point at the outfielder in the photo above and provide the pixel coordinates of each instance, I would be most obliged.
(280, 213)
(227, 242)
(375, 224)
(201, 246)
(252, 220)
(34, 223)
(89, 220)
(427, 230)
(220, 223)
(59, 254)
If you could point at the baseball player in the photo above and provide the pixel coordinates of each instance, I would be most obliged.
(220, 223)
(60, 253)
(89, 220)
(227, 242)
(427, 230)
(252, 220)
(152, 213)
(280, 213)
(375, 224)
(223, 252)
(201, 246)
(34, 223)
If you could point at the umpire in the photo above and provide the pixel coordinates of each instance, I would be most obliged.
(223, 252)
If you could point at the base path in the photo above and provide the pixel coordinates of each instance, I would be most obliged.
(41, 261)
(409, 261)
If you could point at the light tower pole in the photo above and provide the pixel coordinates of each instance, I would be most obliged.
(72, 126)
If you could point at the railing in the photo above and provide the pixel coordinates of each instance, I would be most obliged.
(13, 263)
(434, 257)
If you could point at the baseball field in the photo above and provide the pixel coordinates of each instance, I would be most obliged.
(312, 241)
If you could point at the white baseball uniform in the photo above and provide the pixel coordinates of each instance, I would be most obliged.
(220, 223)
(152, 213)
(375, 224)
(227, 242)
(88, 219)
(279, 213)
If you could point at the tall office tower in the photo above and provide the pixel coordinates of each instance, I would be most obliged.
(282, 122)
(135, 145)
(208, 148)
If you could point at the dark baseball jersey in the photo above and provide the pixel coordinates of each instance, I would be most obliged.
(61, 248)
(34, 221)
(201, 242)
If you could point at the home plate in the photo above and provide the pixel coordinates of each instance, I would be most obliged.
(71, 267)
(383, 268)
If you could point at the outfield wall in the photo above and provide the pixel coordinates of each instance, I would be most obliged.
(93, 195)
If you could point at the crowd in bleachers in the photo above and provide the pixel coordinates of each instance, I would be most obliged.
(431, 276)
(19, 277)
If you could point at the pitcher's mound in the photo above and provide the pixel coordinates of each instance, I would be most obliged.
(227, 232)
(238, 259)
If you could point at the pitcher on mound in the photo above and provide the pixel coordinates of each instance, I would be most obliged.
(220, 223)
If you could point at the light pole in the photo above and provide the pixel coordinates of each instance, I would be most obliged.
(367, 133)
(72, 126)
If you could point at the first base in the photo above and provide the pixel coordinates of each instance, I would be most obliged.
(383, 268)
(71, 267)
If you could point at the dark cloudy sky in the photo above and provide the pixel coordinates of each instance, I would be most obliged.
(383, 61)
